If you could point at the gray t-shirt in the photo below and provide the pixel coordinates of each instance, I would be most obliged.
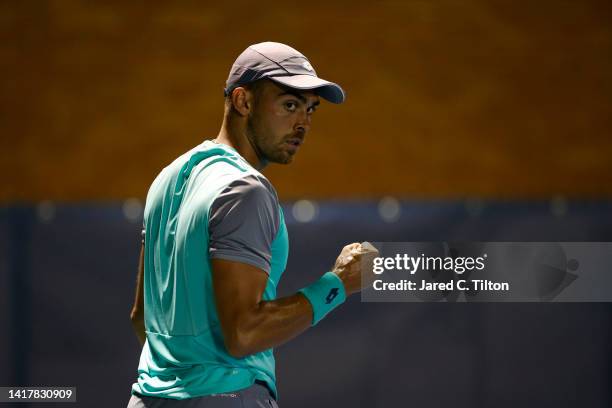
(243, 221)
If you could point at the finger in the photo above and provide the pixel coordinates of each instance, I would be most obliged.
(367, 248)
(356, 254)
(356, 248)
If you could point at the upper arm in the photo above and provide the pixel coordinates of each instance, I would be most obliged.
(238, 290)
(243, 222)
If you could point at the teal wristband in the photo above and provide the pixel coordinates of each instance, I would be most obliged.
(324, 295)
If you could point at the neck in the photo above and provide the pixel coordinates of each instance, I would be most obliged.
(233, 134)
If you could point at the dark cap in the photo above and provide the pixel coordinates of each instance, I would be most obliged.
(282, 64)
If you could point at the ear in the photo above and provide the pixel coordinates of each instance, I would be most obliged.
(242, 101)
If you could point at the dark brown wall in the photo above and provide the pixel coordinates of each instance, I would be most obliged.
(445, 98)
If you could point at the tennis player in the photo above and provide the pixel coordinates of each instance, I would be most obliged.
(215, 247)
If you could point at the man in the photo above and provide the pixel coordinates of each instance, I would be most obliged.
(215, 246)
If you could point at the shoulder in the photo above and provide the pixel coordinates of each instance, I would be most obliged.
(252, 187)
(249, 195)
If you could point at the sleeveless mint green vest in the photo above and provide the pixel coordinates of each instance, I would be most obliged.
(184, 355)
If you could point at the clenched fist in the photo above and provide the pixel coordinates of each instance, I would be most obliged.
(354, 266)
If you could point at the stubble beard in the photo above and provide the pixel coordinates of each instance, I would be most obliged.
(260, 141)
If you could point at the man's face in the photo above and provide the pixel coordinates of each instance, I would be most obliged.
(279, 121)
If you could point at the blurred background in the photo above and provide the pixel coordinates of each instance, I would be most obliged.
(465, 120)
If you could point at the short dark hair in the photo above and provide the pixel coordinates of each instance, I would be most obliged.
(254, 87)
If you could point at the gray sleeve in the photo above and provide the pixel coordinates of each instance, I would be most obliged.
(243, 221)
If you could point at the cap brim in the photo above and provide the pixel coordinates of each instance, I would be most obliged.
(325, 89)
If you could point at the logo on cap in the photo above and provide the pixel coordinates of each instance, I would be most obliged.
(307, 66)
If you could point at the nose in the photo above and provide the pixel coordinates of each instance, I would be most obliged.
(303, 122)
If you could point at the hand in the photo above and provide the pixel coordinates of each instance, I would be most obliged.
(354, 261)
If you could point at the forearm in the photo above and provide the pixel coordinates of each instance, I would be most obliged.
(269, 324)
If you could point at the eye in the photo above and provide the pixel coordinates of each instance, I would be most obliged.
(291, 106)
(311, 110)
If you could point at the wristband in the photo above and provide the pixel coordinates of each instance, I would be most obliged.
(324, 295)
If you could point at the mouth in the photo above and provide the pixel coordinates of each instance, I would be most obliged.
(294, 143)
